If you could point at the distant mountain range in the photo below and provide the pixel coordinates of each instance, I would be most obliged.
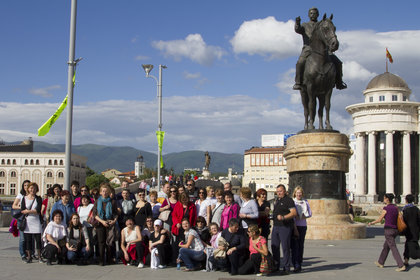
(102, 157)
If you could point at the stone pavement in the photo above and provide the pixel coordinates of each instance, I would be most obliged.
(351, 259)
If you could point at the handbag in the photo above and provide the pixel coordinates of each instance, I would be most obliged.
(21, 221)
(91, 219)
(267, 263)
(164, 215)
(401, 225)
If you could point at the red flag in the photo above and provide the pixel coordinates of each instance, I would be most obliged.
(389, 56)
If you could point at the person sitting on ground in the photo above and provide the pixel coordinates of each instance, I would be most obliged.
(215, 234)
(54, 238)
(132, 245)
(236, 250)
(191, 250)
(159, 245)
(184, 209)
(257, 248)
(203, 230)
(78, 246)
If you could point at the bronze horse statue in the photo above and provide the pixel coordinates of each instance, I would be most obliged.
(319, 74)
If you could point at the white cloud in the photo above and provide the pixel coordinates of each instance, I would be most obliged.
(226, 124)
(192, 47)
(45, 91)
(354, 71)
(142, 57)
(190, 76)
(267, 37)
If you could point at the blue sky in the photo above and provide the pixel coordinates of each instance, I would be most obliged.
(230, 67)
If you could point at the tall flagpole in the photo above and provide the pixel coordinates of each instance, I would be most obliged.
(71, 65)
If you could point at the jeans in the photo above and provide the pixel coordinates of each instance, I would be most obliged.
(190, 257)
(82, 253)
(22, 245)
(281, 234)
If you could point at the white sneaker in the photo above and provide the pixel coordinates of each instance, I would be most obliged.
(161, 266)
(141, 265)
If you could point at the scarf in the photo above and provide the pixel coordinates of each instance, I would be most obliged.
(301, 208)
(409, 205)
(107, 215)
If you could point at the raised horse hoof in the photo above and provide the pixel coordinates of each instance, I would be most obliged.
(297, 87)
(341, 85)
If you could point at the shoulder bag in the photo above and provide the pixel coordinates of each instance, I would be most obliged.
(164, 215)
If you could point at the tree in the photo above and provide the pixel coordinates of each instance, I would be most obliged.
(89, 171)
(95, 180)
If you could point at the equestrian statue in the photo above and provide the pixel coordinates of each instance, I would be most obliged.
(318, 70)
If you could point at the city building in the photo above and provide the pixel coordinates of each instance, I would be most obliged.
(139, 166)
(265, 167)
(45, 169)
(386, 131)
(111, 173)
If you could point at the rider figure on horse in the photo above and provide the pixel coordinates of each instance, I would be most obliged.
(306, 29)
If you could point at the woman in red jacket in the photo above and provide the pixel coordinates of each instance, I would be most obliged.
(183, 209)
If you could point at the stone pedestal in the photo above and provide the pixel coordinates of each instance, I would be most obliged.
(318, 161)
(206, 174)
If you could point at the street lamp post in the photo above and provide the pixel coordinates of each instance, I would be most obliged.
(147, 68)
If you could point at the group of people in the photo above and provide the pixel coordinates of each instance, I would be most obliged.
(197, 228)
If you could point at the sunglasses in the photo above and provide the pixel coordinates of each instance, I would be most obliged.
(173, 191)
(201, 192)
(189, 184)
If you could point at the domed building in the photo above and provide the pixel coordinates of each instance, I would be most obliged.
(386, 127)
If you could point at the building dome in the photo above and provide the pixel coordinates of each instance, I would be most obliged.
(387, 80)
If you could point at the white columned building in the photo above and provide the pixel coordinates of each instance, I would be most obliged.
(386, 127)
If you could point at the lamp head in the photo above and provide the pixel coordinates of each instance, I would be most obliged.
(147, 68)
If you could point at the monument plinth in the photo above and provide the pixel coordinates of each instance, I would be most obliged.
(318, 161)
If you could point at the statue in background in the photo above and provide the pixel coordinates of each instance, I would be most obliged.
(208, 159)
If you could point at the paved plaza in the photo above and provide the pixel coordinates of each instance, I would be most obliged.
(351, 259)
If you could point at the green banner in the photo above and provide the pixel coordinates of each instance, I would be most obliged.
(160, 135)
(45, 128)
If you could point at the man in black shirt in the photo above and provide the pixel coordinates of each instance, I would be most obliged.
(283, 214)
(235, 237)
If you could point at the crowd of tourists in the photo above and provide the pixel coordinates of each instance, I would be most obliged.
(200, 229)
(197, 229)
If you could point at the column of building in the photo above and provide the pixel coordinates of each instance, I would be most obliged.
(406, 165)
(371, 195)
(360, 166)
(389, 164)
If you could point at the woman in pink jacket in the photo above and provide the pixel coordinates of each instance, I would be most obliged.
(231, 210)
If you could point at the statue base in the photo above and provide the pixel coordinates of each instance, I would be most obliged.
(330, 221)
(206, 174)
(317, 161)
